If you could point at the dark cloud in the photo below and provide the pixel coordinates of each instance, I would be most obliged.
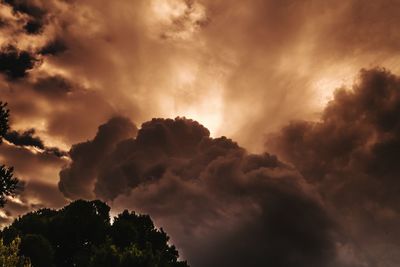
(36, 13)
(14, 63)
(223, 206)
(53, 86)
(242, 69)
(33, 27)
(25, 138)
(26, 6)
(78, 179)
(282, 234)
(351, 155)
(54, 47)
(55, 151)
(159, 144)
(358, 131)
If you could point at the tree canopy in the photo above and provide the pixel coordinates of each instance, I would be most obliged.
(81, 234)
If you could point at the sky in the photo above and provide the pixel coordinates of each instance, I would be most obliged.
(256, 133)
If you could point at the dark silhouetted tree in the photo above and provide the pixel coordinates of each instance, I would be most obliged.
(81, 234)
(39, 249)
(8, 183)
(4, 114)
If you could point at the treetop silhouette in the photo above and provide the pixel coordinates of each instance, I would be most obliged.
(9, 184)
(81, 234)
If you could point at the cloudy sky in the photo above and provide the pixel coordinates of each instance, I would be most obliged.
(256, 133)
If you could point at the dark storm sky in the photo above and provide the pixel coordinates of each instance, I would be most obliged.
(306, 93)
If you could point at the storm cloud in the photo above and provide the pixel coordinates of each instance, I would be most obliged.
(351, 155)
(76, 181)
(36, 14)
(243, 69)
(25, 138)
(14, 63)
(232, 66)
(221, 205)
(340, 177)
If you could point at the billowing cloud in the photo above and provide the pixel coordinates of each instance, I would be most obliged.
(221, 205)
(196, 186)
(77, 180)
(235, 67)
(242, 69)
(351, 156)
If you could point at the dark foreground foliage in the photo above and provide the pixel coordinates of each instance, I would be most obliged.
(9, 184)
(9, 255)
(81, 234)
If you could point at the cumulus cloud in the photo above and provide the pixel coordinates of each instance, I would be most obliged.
(221, 205)
(209, 192)
(242, 69)
(77, 180)
(351, 155)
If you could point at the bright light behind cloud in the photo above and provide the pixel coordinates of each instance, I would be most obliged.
(324, 88)
(194, 98)
(208, 112)
(175, 19)
(166, 10)
(325, 85)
